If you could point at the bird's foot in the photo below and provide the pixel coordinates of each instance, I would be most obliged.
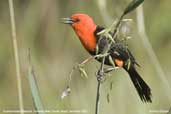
(100, 75)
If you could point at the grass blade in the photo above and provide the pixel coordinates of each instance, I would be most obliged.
(34, 90)
(133, 5)
(16, 56)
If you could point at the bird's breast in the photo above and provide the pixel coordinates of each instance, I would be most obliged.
(87, 39)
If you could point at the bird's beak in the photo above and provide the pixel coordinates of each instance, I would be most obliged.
(67, 20)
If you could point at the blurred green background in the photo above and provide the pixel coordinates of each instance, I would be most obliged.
(55, 49)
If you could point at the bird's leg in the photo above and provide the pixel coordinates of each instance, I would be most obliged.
(100, 74)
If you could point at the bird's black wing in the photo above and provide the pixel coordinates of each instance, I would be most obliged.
(118, 49)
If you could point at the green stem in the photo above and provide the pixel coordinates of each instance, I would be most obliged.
(97, 98)
(16, 55)
(117, 26)
(99, 75)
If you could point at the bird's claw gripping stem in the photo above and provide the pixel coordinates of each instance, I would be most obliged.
(100, 75)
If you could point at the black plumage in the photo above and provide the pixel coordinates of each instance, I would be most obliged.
(120, 51)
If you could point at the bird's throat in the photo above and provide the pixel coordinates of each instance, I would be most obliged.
(87, 39)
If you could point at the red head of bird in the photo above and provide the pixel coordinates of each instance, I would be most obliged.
(84, 27)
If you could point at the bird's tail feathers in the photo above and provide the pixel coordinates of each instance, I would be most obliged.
(142, 88)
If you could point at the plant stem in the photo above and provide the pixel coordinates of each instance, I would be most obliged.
(117, 26)
(150, 51)
(97, 98)
(100, 74)
(15, 47)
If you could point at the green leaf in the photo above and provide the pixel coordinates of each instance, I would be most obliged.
(108, 97)
(111, 61)
(35, 92)
(83, 72)
(128, 63)
(101, 32)
(110, 37)
(97, 49)
(34, 87)
(133, 5)
(111, 85)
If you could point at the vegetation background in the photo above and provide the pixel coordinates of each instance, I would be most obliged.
(55, 49)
